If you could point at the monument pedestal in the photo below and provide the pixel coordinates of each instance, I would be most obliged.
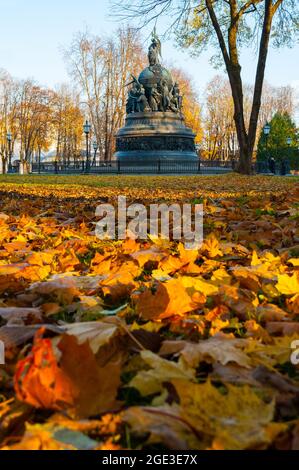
(152, 136)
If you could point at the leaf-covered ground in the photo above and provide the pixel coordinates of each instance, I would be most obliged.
(128, 345)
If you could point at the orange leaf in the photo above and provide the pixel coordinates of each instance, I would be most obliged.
(168, 299)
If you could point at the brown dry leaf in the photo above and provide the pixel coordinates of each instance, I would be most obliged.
(164, 427)
(282, 328)
(14, 314)
(234, 374)
(220, 348)
(94, 388)
(247, 278)
(170, 348)
(17, 335)
(270, 312)
(50, 308)
(63, 289)
(97, 334)
(243, 302)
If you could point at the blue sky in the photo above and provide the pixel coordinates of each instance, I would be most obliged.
(33, 31)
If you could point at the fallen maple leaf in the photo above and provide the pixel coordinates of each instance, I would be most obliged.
(238, 419)
(73, 382)
(288, 285)
(164, 300)
(39, 381)
(220, 348)
(149, 382)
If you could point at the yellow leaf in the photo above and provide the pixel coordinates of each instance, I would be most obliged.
(212, 247)
(288, 285)
(294, 261)
(238, 419)
(148, 382)
(200, 285)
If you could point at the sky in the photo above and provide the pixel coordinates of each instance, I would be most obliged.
(33, 33)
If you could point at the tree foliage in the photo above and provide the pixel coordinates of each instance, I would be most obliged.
(276, 144)
(220, 136)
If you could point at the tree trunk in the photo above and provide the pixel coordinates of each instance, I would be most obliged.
(260, 74)
(245, 157)
(246, 139)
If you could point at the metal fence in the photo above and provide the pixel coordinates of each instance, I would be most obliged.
(135, 167)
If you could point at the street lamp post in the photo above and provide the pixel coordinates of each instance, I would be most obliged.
(95, 148)
(9, 139)
(87, 129)
(267, 130)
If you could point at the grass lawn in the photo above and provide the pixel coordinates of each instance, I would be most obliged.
(147, 186)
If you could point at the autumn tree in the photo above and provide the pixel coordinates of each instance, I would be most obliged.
(220, 135)
(67, 124)
(8, 109)
(33, 114)
(102, 67)
(228, 25)
(276, 99)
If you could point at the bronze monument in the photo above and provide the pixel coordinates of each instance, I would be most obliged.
(155, 128)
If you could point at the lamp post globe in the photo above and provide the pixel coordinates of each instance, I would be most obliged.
(87, 127)
(289, 141)
(267, 129)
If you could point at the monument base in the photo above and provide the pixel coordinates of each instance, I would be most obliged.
(153, 136)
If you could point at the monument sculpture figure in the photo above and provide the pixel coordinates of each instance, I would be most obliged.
(155, 50)
(155, 128)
